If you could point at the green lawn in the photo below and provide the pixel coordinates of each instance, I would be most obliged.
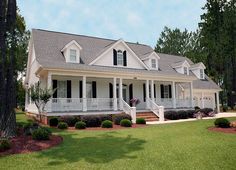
(186, 145)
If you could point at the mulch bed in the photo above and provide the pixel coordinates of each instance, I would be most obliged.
(25, 144)
(224, 130)
(115, 127)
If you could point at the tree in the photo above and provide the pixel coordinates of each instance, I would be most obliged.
(40, 96)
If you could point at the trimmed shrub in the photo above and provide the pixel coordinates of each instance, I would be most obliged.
(118, 117)
(40, 134)
(53, 121)
(190, 113)
(91, 120)
(171, 115)
(105, 117)
(182, 114)
(140, 121)
(4, 144)
(70, 120)
(125, 123)
(222, 122)
(107, 124)
(29, 127)
(80, 125)
(62, 125)
(196, 108)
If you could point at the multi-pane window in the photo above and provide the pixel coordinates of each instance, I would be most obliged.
(89, 90)
(166, 91)
(61, 89)
(154, 63)
(186, 70)
(120, 58)
(201, 74)
(72, 55)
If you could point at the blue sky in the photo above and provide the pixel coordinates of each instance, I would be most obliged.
(132, 20)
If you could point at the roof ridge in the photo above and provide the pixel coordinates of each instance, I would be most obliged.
(109, 39)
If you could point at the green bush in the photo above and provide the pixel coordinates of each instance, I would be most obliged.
(118, 117)
(222, 122)
(4, 144)
(53, 121)
(107, 124)
(40, 134)
(62, 125)
(182, 114)
(91, 120)
(125, 123)
(190, 113)
(80, 125)
(69, 120)
(140, 121)
(29, 127)
(105, 117)
(171, 115)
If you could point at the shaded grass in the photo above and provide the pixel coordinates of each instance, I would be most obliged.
(187, 145)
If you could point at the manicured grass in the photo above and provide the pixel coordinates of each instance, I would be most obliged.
(186, 145)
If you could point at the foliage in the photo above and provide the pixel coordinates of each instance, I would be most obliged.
(107, 124)
(118, 117)
(53, 121)
(40, 134)
(105, 117)
(70, 120)
(125, 123)
(140, 121)
(40, 96)
(222, 122)
(4, 144)
(182, 114)
(91, 120)
(30, 127)
(80, 125)
(62, 125)
(171, 115)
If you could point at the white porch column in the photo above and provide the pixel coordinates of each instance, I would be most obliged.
(114, 94)
(84, 94)
(49, 85)
(202, 101)
(173, 94)
(152, 90)
(217, 102)
(147, 94)
(191, 94)
(120, 93)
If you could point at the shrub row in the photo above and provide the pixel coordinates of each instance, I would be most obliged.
(185, 114)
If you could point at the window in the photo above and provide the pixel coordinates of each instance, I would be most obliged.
(89, 93)
(73, 55)
(201, 74)
(166, 91)
(61, 89)
(154, 63)
(120, 59)
(186, 70)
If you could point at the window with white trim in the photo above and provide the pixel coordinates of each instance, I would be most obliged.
(201, 74)
(72, 55)
(89, 93)
(120, 58)
(186, 70)
(61, 89)
(154, 63)
(166, 91)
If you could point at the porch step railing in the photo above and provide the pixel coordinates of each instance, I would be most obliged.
(157, 110)
(129, 110)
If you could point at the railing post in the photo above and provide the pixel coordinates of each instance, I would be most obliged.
(133, 114)
(84, 94)
(147, 94)
(161, 114)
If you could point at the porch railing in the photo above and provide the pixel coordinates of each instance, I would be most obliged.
(100, 104)
(167, 102)
(129, 110)
(183, 103)
(157, 110)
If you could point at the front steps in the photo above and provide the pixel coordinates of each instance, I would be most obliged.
(148, 116)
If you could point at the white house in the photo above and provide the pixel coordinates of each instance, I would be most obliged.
(97, 75)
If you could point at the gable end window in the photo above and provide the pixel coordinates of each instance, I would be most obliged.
(120, 58)
(201, 74)
(154, 63)
(186, 70)
(72, 55)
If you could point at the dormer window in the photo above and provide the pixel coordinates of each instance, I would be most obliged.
(154, 63)
(120, 58)
(72, 55)
(201, 74)
(186, 70)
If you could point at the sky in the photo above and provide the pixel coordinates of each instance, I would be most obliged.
(132, 20)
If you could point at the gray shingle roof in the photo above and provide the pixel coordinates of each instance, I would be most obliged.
(48, 46)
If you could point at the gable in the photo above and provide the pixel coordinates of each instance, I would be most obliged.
(73, 45)
(106, 58)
